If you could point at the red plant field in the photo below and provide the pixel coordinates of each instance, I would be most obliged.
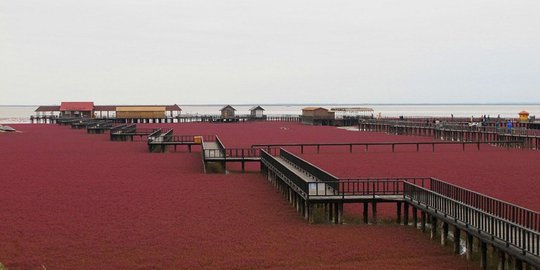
(76, 201)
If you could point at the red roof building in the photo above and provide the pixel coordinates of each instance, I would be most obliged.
(77, 106)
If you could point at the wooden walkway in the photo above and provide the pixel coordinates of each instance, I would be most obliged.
(212, 151)
(527, 138)
(512, 230)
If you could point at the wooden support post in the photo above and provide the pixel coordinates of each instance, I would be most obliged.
(398, 206)
(433, 227)
(423, 220)
(483, 255)
(310, 212)
(298, 203)
(330, 215)
(518, 264)
(374, 212)
(365, 213)
(502, 260)
(406, 214)
(415, 217)
(339, 213)
(457, 238)
(469, 246)
(444, 233)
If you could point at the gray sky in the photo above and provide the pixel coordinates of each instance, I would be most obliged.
(293, 51)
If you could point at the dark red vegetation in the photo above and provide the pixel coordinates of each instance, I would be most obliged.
(70, 200)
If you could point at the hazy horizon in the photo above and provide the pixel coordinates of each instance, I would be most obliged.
(270, 52)
(293, 104)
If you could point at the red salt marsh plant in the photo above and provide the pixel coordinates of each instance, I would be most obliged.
(76, 201)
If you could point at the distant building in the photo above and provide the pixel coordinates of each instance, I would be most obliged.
(88, 110)
(140, 112)
(256, 112)
(47, 110)
(523, 116)
(77, 109)
(317, 116)
(227, 112)
(132, 111)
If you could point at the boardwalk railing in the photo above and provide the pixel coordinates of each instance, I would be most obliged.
(368, 186)
(309, 168)
(389, 125)
(513, 213)
(509, 234)
(285, 173)
(235, 153)
(393, 145)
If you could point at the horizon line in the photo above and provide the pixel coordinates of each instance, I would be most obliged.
(315, 103)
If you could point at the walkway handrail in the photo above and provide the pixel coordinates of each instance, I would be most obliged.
(269, 160)
(453, 126)
(367, 186)
(393, 144)
(219, 143)
(310, 168)
(506, 232)
(511, 212)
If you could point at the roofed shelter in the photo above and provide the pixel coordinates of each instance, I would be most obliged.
(227, 112)
(256, 112)
(77, 109)
(523, 116)
(43, 110)
(111, 110)
(317, 116)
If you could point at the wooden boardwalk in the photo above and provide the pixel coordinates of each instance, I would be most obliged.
(512, 230)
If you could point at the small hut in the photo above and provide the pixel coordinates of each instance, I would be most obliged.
(227, 112)
(77, 109)
(256, 112)
(317, 116)
(524, 116)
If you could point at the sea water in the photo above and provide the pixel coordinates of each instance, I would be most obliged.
(21, 114)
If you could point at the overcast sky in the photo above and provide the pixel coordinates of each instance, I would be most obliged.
(290, 51)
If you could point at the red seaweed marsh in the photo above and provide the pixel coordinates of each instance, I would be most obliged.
(71, 200)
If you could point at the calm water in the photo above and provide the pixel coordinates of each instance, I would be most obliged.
(21, 114)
